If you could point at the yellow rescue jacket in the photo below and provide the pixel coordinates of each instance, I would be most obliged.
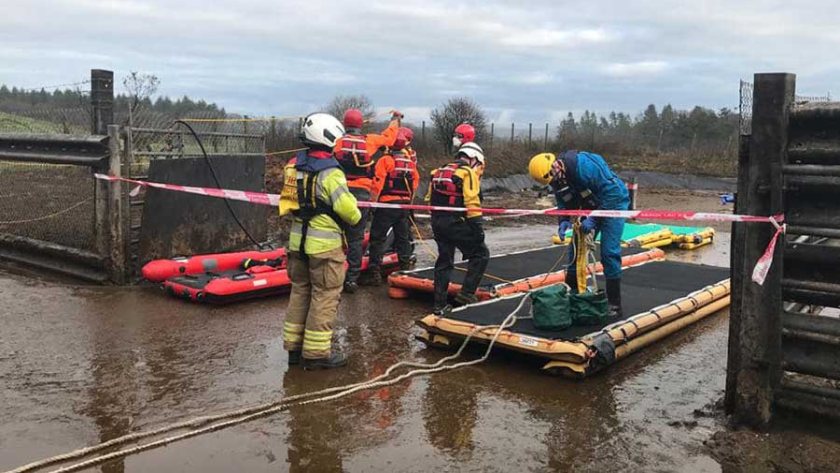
(330, 204)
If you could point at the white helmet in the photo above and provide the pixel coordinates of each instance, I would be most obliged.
(472, 150)
(321, 129)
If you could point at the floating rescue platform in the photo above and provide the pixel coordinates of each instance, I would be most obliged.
(509, 273)
(652, 235)
(665, 297)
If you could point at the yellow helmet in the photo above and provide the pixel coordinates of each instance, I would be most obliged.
(540, 167)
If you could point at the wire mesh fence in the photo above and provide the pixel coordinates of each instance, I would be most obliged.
(745, 108)
(48, 202)
(745, 105)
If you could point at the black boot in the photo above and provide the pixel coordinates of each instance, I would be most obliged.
(335, 360)
(614, 298)
(462, 298)
(351, 287)
(294, 357)
(373, 277)
(442, 310)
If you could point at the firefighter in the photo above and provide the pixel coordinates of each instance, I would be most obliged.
(395, 182)
(315, 192)
(464, 133)
(357, 153)
(458, 185)
(583, 180)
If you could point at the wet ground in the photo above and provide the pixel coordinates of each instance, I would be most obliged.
(80, 365)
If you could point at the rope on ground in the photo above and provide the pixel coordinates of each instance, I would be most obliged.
(45, 217)
(252, 413)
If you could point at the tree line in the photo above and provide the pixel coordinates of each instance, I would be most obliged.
(14, 99)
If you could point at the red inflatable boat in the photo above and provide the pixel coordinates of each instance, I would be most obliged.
(222, 287)
(163, 269)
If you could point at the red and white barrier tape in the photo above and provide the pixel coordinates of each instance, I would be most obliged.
(261, 198)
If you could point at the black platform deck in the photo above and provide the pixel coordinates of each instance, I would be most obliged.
(515, 266)
(643, 288)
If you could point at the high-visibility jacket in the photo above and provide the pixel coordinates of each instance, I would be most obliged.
(315, 192)
(348, 152)
(396, 177)
(456, 185)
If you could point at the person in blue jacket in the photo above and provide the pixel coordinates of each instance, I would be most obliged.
(583, 180)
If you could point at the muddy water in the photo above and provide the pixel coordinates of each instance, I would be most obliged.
(80, 365)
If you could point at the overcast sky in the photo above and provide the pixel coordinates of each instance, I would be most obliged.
(530, 60)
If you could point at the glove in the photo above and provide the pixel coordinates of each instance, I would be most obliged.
(565, 225)
(588, 225)
(396, 115)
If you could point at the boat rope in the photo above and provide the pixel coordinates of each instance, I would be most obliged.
(240, 416)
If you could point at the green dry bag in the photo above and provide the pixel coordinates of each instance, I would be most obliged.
(551, 308)
(589, 308)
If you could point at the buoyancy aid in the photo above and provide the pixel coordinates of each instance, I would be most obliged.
(400, 180)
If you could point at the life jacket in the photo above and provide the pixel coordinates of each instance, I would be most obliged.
(354, 158)
(400, 180)
(447, 187)
(299, 196)
(572, 195)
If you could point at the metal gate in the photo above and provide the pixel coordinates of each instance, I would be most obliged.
(163, 224)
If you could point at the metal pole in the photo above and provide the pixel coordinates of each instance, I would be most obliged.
(545, 140)
(492, 133)
(101, 100)
(423, 131)
(530, 130)
(511, 132)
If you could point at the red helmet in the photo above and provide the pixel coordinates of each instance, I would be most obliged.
(466, 132)
(404, 135)
(408, 132)
(353, 118)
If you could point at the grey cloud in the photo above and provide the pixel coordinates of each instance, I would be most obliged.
(525, 61)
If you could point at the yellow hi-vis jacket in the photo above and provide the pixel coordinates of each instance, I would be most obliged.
(324, 233)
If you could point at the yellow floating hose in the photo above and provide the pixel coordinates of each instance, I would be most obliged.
(693, 245)
(697, 237)
(649, 238)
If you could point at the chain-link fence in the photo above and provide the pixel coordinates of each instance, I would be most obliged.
(48, 202)
(745, 108)
(59, 111)
(745, 104)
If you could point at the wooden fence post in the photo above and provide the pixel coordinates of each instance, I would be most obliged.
(117, 267)
(758, 316)
(101, 100)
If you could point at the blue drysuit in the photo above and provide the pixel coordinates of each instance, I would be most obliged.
(589, 171)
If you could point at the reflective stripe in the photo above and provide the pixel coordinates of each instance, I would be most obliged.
(352, 139)
(292, 333)
(314, 340)
(322, 177)
(318, 335)
(337, 193)
(297, 229)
